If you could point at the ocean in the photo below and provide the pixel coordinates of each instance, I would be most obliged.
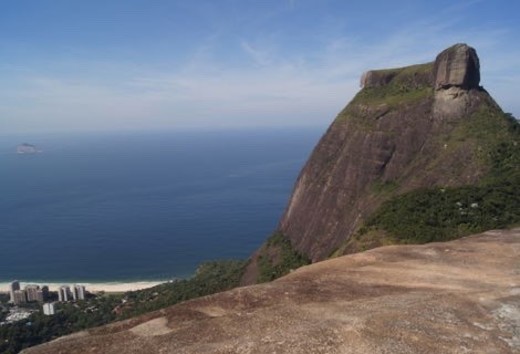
(125, 207)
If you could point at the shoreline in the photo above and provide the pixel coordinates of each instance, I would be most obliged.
(93, 287)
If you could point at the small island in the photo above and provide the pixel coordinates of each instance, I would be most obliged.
(26, 149)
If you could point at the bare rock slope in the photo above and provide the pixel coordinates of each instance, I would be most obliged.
(461, 296)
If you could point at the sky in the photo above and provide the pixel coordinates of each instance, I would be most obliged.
(125, 65)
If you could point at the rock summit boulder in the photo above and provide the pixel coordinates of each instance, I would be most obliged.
(457, 66)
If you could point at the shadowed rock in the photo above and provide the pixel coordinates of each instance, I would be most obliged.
(457, 66)
(380, 78)
(376, 78)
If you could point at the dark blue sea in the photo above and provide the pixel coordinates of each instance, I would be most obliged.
(141, 206)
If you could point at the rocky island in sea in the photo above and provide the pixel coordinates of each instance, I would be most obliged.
(27, 149)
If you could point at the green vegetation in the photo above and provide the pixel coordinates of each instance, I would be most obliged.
(443, 214)
(408, 85)
(393, 95)
(211, 277)
(492, 133)
(384, 187)
(446, 213)
(399, 87)
(4, 298)
(278, 258)
(39, 328)
(364, 240)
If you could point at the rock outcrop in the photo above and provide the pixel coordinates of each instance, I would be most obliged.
(408, 128)
(457, 66)
(378, 78)
(456, 72)
(461, 296)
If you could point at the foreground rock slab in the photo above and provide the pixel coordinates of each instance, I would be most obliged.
(461, 296)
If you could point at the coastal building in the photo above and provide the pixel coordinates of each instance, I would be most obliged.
(34, 293)
(15, 285)
(64, 293)
(45, 292)
(78, 292)
(49, 308)
(19, 297)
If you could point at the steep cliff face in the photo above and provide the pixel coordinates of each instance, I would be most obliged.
(408, 128)
(457, 66)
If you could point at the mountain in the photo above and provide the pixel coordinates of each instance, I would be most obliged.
(422, 154)
(395, 164)
(461, 296)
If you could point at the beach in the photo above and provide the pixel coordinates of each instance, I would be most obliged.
(109, 287)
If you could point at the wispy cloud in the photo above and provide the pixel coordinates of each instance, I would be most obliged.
(261, 57)
(275, 86)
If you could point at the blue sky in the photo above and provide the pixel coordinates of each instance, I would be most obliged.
(100, 65)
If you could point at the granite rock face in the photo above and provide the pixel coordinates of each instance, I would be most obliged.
(385, 137)
(461, 296)
(393, 137)
(380, 78)
(376, 78)
(457, 66)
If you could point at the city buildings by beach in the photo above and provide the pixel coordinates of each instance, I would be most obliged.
(78, 292)
(35, 293)
(64, 293)
(19, 297)
(49, 308)
(14, 286)
(30, 293)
